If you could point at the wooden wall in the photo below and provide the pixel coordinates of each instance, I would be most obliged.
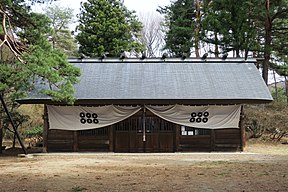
(68, 141)
(127, 136)
(227, 140)
(60, 141)
(216, 140)
(195, 143)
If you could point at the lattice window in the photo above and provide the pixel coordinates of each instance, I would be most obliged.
(94, 132)
(194, 131)
(152, 124)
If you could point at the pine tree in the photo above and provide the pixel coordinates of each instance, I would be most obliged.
(271, 14)
(37, 60)
(61, 37)
(180, 24)
(28, 58)
(107, 26)
(228, 24)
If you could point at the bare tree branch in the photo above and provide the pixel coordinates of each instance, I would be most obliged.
(17, 48)
(152, 35)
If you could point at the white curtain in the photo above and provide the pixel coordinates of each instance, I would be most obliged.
(208, 117)
(81, 118)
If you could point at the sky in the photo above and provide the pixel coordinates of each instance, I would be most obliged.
(138, 5)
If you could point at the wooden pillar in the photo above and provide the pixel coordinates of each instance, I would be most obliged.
(242, 130)
(212, 140)
(1, 137)
(45, 130)
(75, 141)
(177, 138)
(111, 138)
(12, 123)
(144, 128)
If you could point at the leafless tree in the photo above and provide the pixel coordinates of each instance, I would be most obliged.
(152, 34)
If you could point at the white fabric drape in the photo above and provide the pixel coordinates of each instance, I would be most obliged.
(81, 118)
(208, 117)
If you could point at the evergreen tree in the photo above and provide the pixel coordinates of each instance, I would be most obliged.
(28, 58)
(61, 36)
(272, 14)
(107, 26)
(229, 24)
(37, 60)
(180, 23)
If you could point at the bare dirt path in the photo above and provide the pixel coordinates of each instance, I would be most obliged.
(145, 172)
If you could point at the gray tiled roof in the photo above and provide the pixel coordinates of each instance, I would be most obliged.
(170, 81)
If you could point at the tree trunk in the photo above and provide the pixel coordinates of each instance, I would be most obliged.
(275, 85)
(216, 50)
(1, 135)
(14, 140)
(267, 45)
(237, 53)
(197, 29)
(286, 88)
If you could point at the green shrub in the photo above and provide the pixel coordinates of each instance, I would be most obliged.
(34, 132)
(268, 121)
(35, 135)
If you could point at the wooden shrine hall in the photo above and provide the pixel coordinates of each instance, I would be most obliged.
(154, 105)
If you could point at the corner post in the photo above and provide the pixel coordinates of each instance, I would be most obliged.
(45, 130)
(177, 138)
(75, 141)
(242, 129)
(212, 140)
(111, 138)
(1, 137)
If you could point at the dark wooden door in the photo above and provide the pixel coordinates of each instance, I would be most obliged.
(128, 135)
(158, 135)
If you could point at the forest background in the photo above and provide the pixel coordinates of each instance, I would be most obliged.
(36, 46)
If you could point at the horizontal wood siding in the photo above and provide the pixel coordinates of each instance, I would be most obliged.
(228, 140)
(95, 143)
(60, 141)
(194, 143)
(94, 140)
(87, 140)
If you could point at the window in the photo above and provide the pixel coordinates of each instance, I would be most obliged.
(93, 132)
(194, 131)
(152, 124)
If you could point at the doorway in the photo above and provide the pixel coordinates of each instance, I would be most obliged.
(158, 135)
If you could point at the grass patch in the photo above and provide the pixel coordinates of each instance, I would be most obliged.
(266, 148)
(78, 189)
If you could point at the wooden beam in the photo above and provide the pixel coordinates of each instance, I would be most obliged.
(111, 138)
(1, 137)
(144, 128)
(212, 140)
(177, 137)
(13, 125)
(45, 130)
(242, 130)
(75, 141)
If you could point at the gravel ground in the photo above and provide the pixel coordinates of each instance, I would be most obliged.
(73, 172)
